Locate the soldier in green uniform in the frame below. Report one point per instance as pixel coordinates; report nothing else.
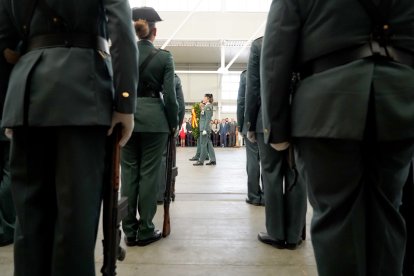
(7, 212)
(64, 94)
(285, 197)
(255, 194)
(198, 147)
(206, 146)
(351, 118)
(181, 113)
(156, 117)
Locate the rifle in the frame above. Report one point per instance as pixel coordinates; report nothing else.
(171, 173)
(113, 210)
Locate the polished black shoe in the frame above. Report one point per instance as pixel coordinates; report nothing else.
(5, 243)
(130, 241)
(211, 163)
(160, 202)
(293, 246)
(265, 238)
(198, 163)
(248, 201)
(156, 236)
(193, 158)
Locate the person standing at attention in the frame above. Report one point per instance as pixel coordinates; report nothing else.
(255, 194)
(7, 210)
(142, 155)
(66, 93)
(285, 191)
(351, 120)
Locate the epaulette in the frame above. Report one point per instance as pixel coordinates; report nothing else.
(260, 37)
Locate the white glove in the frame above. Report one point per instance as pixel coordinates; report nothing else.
(280, 146)
(127, 122)
(204, 132)
(251, 135)
(9, 133)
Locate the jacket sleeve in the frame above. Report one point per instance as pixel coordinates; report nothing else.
(276, 66)
(241, 100)
(170, 97)
(253, 86)
(180, 99)
(124, 54)
(9, 36)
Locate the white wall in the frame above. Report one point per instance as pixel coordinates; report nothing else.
(196, 85)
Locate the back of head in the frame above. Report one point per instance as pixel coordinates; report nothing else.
(144, 21)
(209, 97)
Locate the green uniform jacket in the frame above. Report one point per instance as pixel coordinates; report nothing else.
(253, 113)
(155, 114)
(333, 103)
(241, 96)
(80, 87)
(205, 118)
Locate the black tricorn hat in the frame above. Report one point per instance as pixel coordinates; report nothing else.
(208, 95)
(145, 13)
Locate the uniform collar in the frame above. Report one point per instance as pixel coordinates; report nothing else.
(145, 42)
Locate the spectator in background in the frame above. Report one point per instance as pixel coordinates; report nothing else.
(215, 127)
(223, 133)
(183, 132)
(189, 137)
(232, 132)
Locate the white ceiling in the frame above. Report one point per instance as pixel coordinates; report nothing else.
(204, 40)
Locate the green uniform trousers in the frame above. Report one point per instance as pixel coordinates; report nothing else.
(206, 147)
(140, 169)
(355, 189)
(198, 152)
(254, 191)
(285, 201)
(57, 176)
(7, 212)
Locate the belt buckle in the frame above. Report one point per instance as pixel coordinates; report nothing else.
(380, 51)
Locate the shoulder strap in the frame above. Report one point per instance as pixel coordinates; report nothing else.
(147, 61)
(381, 30)
(27, 17)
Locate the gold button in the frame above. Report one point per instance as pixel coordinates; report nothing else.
(386, 27)
(55, 19)
(248, 123)
(125, 94)
(266, 130)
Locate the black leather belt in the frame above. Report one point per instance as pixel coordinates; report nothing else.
(68, 40)
(148, 94)
(341, 57)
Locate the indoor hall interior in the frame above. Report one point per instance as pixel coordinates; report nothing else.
(213, 230)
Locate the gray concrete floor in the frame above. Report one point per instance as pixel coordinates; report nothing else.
(213, 230)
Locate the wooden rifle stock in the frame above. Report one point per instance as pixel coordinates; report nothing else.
(112, 234)
(171, 173)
